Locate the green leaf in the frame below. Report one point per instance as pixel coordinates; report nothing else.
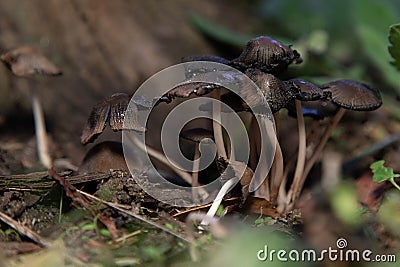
(382, 173)
(394, 47)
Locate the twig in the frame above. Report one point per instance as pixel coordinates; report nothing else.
(130, 213)
(24, 230)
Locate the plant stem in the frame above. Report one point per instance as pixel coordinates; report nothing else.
(394, 183)
(40, 129)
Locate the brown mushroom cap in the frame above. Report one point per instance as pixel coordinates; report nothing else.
(111, 110)
(306, 91)
(196, 134)
(276, 92)
(27, 61)
(353, 95)
(266, 54)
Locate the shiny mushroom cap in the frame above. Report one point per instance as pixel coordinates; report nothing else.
(307, 91)
(353, 95)
(26, 61)
(276, 92)
(111, 110)
(266, 54)
(196, 134)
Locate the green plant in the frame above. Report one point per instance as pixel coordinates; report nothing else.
(382, 173)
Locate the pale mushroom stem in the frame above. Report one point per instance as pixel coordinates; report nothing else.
(277, 165)
(195, 173)
(317, 152)
(217, 129)
(301, 156)
(40, 130)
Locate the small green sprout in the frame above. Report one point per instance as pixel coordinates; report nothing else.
(382, 173)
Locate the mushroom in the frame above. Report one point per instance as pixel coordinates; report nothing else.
(25, 61)
(266, 54)
(346, 94)
(112, 111)
(196, 135)
(306, 91)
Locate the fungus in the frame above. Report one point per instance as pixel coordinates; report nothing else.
(346, 94)
(112, 111)
(25, 61)
(266, 54)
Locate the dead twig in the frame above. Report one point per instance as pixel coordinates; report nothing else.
(24, 230)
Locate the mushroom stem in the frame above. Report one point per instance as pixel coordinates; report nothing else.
(317, 152)
(40, 130)
(277, 165)
(218, 199)
(195, 173)
(301, 156)
(217, 129)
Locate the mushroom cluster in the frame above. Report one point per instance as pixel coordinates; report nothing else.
(262, 60)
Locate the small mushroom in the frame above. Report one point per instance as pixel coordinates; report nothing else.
(346, 94)
(266, 54)
(26, 61)
(353, 95)
(111, 110)
(306, 91)
(196, 135)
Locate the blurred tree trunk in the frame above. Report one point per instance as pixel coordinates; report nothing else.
(102, 47)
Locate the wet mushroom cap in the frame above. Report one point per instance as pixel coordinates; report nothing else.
(353, 95)
(26, 61)
(196, 134)
(307, 91)
(112, 110)
(267, 54)
(275, 91)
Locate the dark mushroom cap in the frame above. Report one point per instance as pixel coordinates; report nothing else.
(276, 92)
(317, 109)
(196, 134)
(111, 110)
(306, 91)
(26, 61)
(266, 54)
(353, 95)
